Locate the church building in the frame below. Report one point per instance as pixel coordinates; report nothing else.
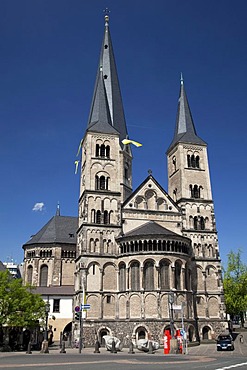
(140, 258)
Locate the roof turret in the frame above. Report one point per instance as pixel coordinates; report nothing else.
(185, 131)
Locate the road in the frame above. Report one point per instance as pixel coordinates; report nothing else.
(204, 356)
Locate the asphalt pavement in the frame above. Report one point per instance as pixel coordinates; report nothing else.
(204, 356)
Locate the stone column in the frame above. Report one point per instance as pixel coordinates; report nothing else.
(101, 278)
(128, 278)
(172, 277)
(183, 285)
(141, 278)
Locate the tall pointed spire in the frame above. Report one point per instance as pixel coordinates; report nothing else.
(107, 101)
(185, 131)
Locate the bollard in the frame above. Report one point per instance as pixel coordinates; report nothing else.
(60, 339)
(113, 348)
(29, 349)
(96, 347)
(44, 347)
(63, 347)
(150, 347)
(131, 348)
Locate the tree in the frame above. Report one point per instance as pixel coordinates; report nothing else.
(235, 286)
(19, 306)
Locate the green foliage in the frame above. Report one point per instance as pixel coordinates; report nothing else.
(235, 285)
(19, 306)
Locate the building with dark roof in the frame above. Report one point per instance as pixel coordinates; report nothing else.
(134, 254)
(49, 262)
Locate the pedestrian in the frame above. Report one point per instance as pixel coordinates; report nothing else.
(241, 339)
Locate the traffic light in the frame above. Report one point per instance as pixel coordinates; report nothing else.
(77, 316)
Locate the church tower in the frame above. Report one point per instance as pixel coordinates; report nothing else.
(189, 186)
(106, 174)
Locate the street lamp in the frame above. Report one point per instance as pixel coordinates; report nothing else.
(47, 310)
(171, 301)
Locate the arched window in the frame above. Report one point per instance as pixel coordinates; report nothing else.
(102, 150)
(98, 217)
(107, 151)
(195, 223)
(202, 223)
(196, 191)
(97, 151)
(164, 275)
(93, 216)
(92, 245)
(43, 275)
(188, 160)
(191, 222)
(148, 276)
(191, 191)
(96, 182)
(106, 218)
(135, 276)
(122, 277)
(193, 161)
(197, 161)
(187, 278)
(102, 183)
(177, 275)
(30, 274)
(174, 163)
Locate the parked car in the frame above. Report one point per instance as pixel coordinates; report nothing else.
(225, 342)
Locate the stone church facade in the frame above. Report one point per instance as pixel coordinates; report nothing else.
(129, 251)
(136, 248)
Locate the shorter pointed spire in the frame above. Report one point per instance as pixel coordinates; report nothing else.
(185, 129)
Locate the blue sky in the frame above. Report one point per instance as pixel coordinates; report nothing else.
(49, 51)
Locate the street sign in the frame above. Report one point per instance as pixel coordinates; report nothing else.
(77, 309)
(85, 306)
(177, 307)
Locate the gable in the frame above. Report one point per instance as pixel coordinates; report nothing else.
(150, 196)
(150, 202)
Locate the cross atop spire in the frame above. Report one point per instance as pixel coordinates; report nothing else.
(107, 12)
(181, 79)
(58, 209)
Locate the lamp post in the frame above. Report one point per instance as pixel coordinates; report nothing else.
(47, 310)
(173, 341)
(45, 341)
(171, 301)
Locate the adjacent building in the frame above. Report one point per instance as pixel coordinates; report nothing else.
(49, 262)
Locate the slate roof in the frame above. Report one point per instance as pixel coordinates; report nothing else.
(185, 131)
(148, 229)
(60, 229)
(101, 118)
(107, 92)
(66, 290)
